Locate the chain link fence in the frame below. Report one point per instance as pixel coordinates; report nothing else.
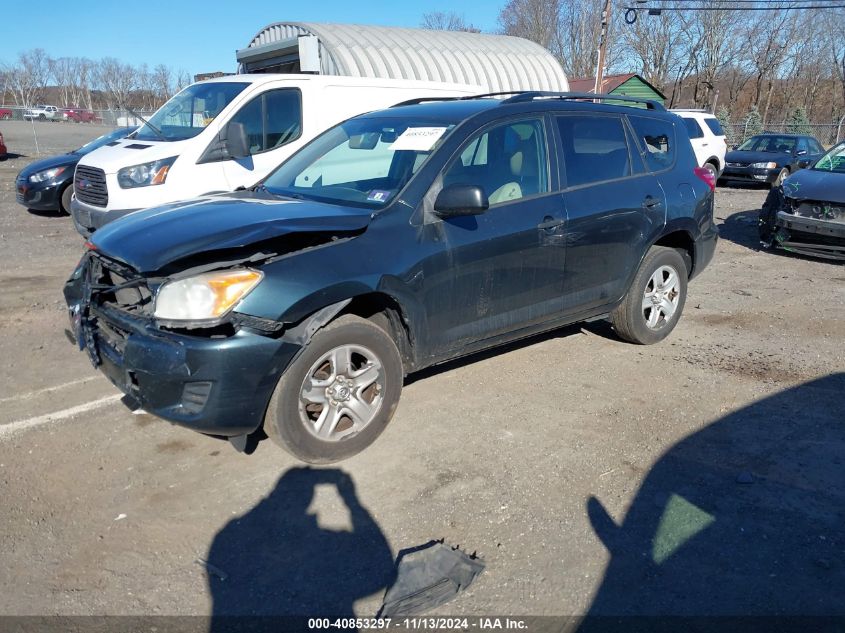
(828, 134)
(111, 118)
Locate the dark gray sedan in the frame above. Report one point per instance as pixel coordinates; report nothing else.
(770, 158)
(807, 214)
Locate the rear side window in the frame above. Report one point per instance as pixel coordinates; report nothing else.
(271, 120)
(594, 149)
(815, 148)
(657, 141)
(715, 126)
(693, 128)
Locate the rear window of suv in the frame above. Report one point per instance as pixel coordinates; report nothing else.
(657, 141)
(715, 126)
(693, 128)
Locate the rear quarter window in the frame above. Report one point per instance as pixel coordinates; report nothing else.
(715, 126)
(693, 128)
(656, 140)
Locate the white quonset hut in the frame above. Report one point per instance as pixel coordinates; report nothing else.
(497, 62)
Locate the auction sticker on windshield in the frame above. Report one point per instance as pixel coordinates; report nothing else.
(419, 139)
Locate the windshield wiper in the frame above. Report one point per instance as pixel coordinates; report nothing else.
(147, 123)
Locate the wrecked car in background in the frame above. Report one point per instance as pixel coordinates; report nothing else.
(394, 241)
(807, 214)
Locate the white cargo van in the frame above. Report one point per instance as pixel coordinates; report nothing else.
(225, 133)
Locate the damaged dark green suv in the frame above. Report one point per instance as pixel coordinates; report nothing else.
(394, 241)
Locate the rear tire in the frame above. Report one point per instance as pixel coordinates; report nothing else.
(713, 170)
(654, 302)
(349, 375)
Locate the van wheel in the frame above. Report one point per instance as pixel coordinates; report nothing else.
(655, 300)
(339, 394)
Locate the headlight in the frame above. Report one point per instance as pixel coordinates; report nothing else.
(763, 165)
(206, 297)
(154, 173)
(47, 174)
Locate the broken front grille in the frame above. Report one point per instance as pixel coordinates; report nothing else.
(89, 185)
(119, 286)
(821, 211)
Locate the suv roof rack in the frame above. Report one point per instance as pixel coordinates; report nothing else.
(539, 94)
(520, 96)
(701, 110)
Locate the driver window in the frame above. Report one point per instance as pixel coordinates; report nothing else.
(508, 162)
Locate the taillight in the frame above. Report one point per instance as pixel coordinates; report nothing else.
(707, 176)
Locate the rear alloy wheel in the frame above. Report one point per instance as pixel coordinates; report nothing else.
(713, 170)
(337, 397)
(655, 300)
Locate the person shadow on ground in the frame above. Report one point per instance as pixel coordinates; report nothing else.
(743, 518)
(279, 567)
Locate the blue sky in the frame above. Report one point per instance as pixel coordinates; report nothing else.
(197, 36)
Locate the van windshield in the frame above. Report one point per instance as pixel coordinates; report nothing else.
(362, 162)
(189, 112)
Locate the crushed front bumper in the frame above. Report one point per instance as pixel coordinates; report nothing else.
(810, 236)
(218, 386)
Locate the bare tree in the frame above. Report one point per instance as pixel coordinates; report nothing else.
(117, 80)
(28, 78)
(162, 83)
(447, 21)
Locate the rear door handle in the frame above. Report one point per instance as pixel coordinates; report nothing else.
(549, 223)
(651, 202)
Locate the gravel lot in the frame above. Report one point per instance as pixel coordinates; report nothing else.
(701, 475)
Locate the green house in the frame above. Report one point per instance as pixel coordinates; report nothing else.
(630, 84)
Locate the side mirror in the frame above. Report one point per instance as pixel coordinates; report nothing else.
(800, 152)
(235, 141)
(456, 200)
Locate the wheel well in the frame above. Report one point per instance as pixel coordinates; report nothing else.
(713, 161)
(386, 312)
(682, 242)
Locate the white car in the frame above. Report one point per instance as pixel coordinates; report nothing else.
(707, 138)
(221, 134)
(43, 113)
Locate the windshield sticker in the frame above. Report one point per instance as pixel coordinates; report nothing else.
(379, 195)
(419, 139)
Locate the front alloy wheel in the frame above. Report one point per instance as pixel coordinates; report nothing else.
(341, 393)
(338, 395)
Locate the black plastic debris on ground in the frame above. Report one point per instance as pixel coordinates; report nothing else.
(428, 576)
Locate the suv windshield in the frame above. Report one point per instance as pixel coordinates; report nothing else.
(363, 162)
(772, 144)
(189, 112)
(833, 161)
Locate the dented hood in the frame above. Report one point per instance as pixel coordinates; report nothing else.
(151, 239)
(816, 184)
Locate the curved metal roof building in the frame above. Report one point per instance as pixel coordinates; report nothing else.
(497, 62)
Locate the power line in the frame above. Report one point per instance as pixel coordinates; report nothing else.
(773, 5)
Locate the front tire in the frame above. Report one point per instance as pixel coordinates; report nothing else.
(655, 300)
(64, 200)
(339, 394)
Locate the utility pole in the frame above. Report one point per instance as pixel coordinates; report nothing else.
(605, 21)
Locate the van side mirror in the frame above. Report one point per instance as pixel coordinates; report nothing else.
(236, 143)
(457, 200)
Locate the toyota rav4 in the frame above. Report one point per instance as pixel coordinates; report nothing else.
(394, 241)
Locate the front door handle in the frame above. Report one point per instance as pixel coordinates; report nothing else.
(549, 224)
(651, 202)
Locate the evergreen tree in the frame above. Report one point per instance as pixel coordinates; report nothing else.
(724, 117)
(752, 124)
(798, 122)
